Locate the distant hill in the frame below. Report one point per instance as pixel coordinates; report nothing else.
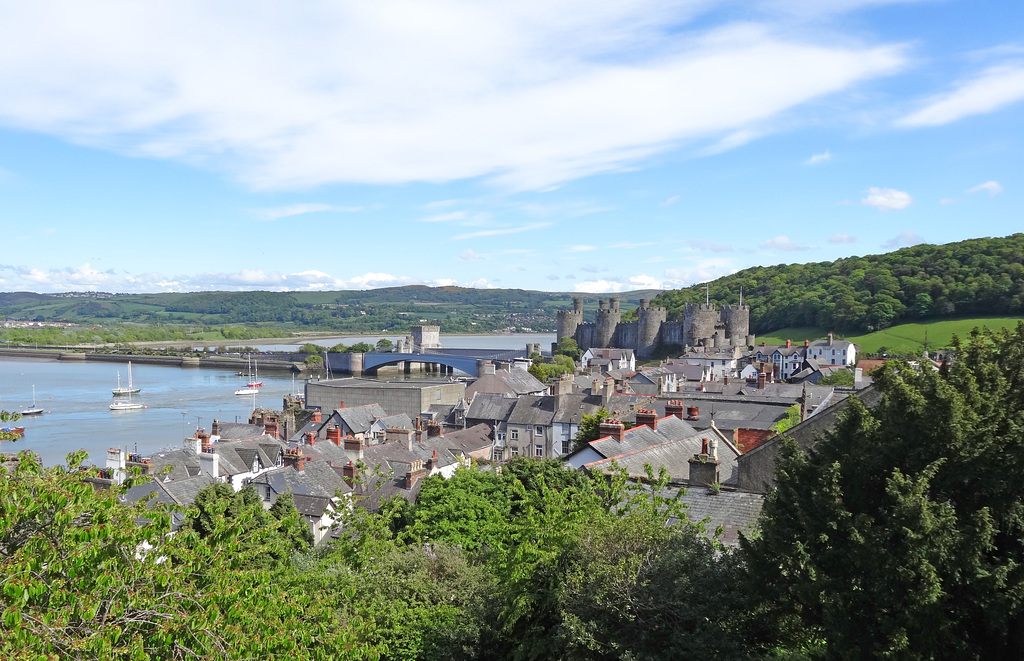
(390, 309)
(971, 278)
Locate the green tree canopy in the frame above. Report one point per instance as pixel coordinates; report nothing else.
(900, 534)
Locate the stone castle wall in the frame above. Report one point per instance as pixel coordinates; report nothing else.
(702, 325)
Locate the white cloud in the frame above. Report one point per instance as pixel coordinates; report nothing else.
(629, 245)
(581, 248)
(468, 254)
(444, 217)
(947, 200)
(524, 95)
(841, 237)
(502, 230)
(990, 187)
(904, 239)
(886, 199)
(705, 245)
(782, 242)
(989, 91)
(670, 201)
(819, 158)
(276, 213)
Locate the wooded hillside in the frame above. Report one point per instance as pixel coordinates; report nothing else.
(969, 278)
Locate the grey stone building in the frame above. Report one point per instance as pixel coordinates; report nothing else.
(702, 325)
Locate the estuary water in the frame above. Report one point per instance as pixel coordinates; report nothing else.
(76, 396)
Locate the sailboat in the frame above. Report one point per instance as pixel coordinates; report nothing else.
(251, 388)
(253, 383)
(130, 389)
(126, 404)
(34, 409)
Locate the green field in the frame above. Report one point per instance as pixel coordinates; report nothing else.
(902, 339)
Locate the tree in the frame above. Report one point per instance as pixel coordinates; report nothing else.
(568, 347)
(384, 345)
(314, 362)
(899, 534)
(590, 428)
(838, 378)
(360, 347)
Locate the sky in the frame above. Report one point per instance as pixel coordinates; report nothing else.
(559, 145)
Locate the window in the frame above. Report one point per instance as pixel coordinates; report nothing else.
(538, 431)
(514, 434)
(500, 437)
(528, 428)
(499, 454)
(515, 450)
(267, 497)
(566, 447)
(538, 450)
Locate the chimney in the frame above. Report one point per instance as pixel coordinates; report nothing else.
(403, 436)
(613, 428)
(488, 368)
(807, 343)
(762, 378)
(270, 426)
(353, 448)
(215, 428)
(789, 343)
(830, 339)
(193, 444)
(334, 434)
(205, 444)
(692, 412)
(341, 405)
(607, 391)
(293, 457)
(595, 387)
(416, 471)
(703, 467)
(674, 407)
(316, 416)
(647, 417)
(433, 429)
(348, 473)
(209, 462)
(311, 438)
(115, 464)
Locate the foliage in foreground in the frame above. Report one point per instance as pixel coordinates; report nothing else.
(901, 535)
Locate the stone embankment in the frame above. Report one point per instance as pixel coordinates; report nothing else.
(286, 362)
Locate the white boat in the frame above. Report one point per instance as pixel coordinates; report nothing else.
(251, 387)
(126, 405)
(130, 389)
(34, 409)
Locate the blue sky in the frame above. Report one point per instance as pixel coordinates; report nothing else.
(556, 145)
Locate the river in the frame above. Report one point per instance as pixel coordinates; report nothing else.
(76, 396)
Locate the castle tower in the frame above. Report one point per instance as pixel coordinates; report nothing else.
(699, 321)
(650, 321)
(737, 323)
(608, 318)
(567, 321)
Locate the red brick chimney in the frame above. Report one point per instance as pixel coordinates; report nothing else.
(674, 407)
(613, 428)
(316, 416)
(433, 429)
(348, 473)
(692, 412)
(311, 438)
(270, 426)
(293, 457)
(215, 427)
(341, 405)
(762, 379)
(789, 343)
(647, 417)
(807, 343)
(334, 434)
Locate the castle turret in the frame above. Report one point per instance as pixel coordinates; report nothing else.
(699, 322)
(608, 318)
(650, 322)
(569, 320)
(737, 323)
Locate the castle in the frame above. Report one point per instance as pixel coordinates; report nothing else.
(702, 325)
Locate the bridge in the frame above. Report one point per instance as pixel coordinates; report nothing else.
(446, 361)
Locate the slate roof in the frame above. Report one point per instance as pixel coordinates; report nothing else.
(533, 410)
(487, 406)
(360, 418)
(643, 446)
(516, 381)
(400, 420)
(735, 511)
(234, 431)
(312, 506)
(472, 439)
